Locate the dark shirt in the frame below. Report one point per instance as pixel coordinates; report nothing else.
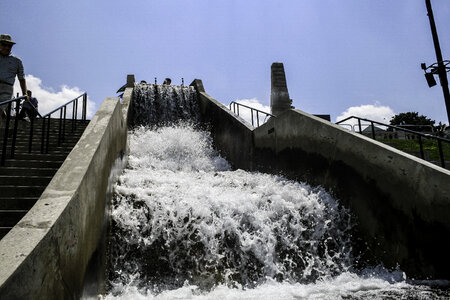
(33, 101)
(10, 66)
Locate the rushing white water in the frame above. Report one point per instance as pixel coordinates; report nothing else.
(186, 226)
(161, 104)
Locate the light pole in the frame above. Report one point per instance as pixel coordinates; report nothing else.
(440, 68)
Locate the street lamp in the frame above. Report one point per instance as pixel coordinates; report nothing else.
(439, 68)
(434, 70)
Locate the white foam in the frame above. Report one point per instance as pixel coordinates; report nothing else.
(228, 234)
(345, 286)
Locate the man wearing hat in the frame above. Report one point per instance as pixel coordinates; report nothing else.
(10, 66)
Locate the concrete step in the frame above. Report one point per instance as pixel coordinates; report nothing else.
(9, 218)
(17, 203)
(21, 190)
(32, 163)
(37, 138)
(24, 145)
(38, 130)
(37, 148)
(23, 171)
(38, 156)
(20, 179)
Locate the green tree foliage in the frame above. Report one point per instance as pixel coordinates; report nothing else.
(407, 119)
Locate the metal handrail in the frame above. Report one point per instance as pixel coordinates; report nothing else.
(45, 137)
(20, 98)
(6, 133)
(419, 134)
(236, 105)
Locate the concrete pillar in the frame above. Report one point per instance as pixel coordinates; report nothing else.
(130, 80)
(198, 84)
(279, 95)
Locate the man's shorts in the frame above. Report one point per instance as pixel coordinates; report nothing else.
(6, 93)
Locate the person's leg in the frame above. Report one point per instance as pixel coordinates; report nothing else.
(6, 93)
(22, 114)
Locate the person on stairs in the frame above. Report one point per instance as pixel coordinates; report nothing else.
(10, 66)
(28, 112)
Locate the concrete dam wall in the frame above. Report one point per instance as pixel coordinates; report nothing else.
(401, 203)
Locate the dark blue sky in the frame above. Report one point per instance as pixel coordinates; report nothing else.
(337, 53)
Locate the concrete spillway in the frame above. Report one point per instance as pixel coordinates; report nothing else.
(357, 198)
(187, 225)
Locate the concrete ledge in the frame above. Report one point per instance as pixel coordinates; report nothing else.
(46, 254)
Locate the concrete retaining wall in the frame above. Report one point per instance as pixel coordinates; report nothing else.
(401, 203)
(46, 254)
(232, 135)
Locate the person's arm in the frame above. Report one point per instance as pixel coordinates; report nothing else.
(21, 77)
(23, 86)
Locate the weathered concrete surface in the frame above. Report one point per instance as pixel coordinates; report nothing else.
(232, 135)
(279, 95)
(46, 254)
(402, 203)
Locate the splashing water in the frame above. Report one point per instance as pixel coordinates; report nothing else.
(186, 226)
(162, 104)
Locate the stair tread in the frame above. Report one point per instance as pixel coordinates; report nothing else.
(20, 197)
(22, 186)
(24, 176)
(24, 168)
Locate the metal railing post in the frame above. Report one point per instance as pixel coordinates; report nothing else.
(84, 106)
(16, 120)
(359, 126)
(441, 153)
(251, 112)
(73, 116)
(64, 124)
(60, 126)
(373, 130)
(5, 136)
(48, 133)
(76, 114)
(30, 141)
(421, 147)
(43, 135)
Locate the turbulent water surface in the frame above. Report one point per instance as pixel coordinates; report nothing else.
(187, 226)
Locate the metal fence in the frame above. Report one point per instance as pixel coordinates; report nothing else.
(420, 135)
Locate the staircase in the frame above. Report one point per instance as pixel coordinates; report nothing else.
(24, 178)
